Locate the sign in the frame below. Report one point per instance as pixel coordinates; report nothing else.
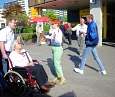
(92, 1)
(34, 12)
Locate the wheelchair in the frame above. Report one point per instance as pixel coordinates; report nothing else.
(20, 80)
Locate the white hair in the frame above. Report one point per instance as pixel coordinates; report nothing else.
(82, 19)
(13, 45)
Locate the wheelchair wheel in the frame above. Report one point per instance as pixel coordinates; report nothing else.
(15, 82)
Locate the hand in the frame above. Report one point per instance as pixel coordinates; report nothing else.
(5, 56)
(82, 32)
(71, 28)
(30, 64)
(54, 35)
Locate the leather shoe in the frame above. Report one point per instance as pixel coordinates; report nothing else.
(44, 90)
(51, 85)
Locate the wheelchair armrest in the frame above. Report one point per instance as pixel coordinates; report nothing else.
(18, 68)
(36, 61)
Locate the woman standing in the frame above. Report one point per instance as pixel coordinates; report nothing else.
(57, 50)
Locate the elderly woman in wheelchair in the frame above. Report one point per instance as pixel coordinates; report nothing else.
(20, 58)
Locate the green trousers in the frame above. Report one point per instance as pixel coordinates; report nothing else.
(56, 57)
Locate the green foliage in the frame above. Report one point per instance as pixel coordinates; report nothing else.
(50, 14)
(28, 36)
(46, 27)
(16, 31)
(65, 18)
(22, 19)
(29, 29)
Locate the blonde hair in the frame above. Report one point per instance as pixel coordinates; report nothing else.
(90, 16)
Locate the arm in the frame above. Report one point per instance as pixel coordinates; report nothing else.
(2, 40)
(3, 50)
(93, 33)
(36, 29)
(76, 27)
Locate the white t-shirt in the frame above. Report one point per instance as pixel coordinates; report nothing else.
(39, 29)
(80, 28)
(18, 59)
(7, 36)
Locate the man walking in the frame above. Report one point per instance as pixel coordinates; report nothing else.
(38, 31)
(91, 43)
(82, 27)
(6, 40)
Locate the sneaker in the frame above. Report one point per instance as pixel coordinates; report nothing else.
(79, 71)
(102, 72)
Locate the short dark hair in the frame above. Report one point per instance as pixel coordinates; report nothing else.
(10, 19)
(90, 16)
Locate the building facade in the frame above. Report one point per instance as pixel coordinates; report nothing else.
(103, 11)
(60, 12)
(2, 20)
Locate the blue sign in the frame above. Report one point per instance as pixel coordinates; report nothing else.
(92, 1)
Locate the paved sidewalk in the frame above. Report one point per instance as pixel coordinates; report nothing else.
(90, 84)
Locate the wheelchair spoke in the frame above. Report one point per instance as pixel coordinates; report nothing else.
(16, 83)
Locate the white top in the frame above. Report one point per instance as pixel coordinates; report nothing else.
(80, 28)
(18, 59)
(7, 36)
(38, 29)
(58, 39)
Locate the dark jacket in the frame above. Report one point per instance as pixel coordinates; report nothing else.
(69, 30)
(62, 28)
(92, 34)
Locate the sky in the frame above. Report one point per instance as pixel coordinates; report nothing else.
(2, 2)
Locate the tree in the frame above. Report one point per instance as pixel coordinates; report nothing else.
(50, 14)
(22, 19)
(12, 10)
(65, 18)
(16, 11)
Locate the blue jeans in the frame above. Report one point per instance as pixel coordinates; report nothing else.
(95, 56)
(5, 63)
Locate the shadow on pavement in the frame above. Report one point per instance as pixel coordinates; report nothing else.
(50, 65)
(76, 60)
(72, 49)
(35, 94)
